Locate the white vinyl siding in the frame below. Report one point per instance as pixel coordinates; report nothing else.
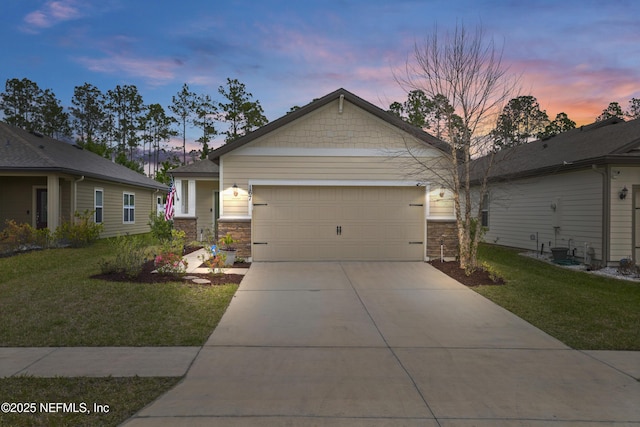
(522, 208)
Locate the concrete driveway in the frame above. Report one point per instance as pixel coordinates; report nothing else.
(385, 344)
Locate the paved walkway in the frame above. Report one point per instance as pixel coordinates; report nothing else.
(363, 344)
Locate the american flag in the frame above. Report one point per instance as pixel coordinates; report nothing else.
(168, 207)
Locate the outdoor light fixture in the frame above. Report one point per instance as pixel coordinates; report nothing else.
(441, 193)
(623, 193)
(235, 190)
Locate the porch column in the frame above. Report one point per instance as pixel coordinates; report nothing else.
(53, 202)
(192, 197)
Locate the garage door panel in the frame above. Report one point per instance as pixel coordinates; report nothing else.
(301, 223)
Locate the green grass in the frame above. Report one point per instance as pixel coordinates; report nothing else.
(123, 396)
(48, 299)
(584, 311)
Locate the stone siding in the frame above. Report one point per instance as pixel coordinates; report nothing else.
(442, 231)
(240, 230)
(189, 226)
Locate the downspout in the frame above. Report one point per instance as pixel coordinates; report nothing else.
(75, 195)
(606, 199)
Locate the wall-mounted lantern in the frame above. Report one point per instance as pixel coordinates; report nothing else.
(235, 190)
(623, 193)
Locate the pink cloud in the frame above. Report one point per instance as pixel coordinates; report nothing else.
(52, 13)
(581, 90)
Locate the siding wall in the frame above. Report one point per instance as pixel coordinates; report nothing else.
(324, 145)
(16, 198)
(523, 208)
(113, 206)
(622, 212)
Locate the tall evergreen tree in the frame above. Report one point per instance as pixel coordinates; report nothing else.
(520, 121)
(241, 113)
(183, 105)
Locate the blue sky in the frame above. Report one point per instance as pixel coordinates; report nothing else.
(574, 56)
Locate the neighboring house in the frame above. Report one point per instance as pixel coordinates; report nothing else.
(579, 190)
(197, 204)
(329, 181)
(43, 181)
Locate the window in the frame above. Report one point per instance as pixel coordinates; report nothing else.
(98, 205)
(184, 197)
(129, 208)
(485, 211)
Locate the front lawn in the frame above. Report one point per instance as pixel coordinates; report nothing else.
(584, 311)
(48, 299)
(89, 401)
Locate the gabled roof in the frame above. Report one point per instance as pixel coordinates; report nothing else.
(365, 105)
(610, 141)
(197, 168)
(22, 151)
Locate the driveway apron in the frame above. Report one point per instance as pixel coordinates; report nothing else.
(385, 344)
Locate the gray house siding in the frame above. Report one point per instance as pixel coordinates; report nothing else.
(559, 210)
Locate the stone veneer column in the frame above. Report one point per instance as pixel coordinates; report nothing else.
(189, 226)
(442, 231)
(240, 230)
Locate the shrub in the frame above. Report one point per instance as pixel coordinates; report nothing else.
(160, 228)
(131, 254)
(16, 235)
(80, 232)
(170, 261)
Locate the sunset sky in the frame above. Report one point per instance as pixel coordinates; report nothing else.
(574, 56)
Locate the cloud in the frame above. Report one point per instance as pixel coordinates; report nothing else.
(52, 13)
(155, 71)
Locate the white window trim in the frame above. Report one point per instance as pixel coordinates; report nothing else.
(129, 207)
(95, 204)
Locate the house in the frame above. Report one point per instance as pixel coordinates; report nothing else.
(329, 181)
(197, 204)
(43, 182)
(579, 190)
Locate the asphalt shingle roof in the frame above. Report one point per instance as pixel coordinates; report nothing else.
(22, 151)
(200, 167)
(612, 140)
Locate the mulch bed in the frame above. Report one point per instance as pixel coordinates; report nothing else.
(479, 277)
(146, 276)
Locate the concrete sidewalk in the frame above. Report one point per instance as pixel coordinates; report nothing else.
(388, 344)
(96, 361)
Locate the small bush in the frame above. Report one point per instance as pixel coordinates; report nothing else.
(160, 228)
(23, 236)
(170, 261)
(80, 232)
(131, 254)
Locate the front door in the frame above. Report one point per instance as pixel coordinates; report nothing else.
(41, 208)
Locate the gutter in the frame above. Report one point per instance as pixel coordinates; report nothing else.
(606, 198)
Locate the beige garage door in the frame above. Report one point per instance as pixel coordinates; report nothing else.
(337, 223)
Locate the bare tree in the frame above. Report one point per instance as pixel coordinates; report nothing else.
(466, 69)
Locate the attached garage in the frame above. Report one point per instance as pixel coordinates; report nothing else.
(315, 223)
(333, 180)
